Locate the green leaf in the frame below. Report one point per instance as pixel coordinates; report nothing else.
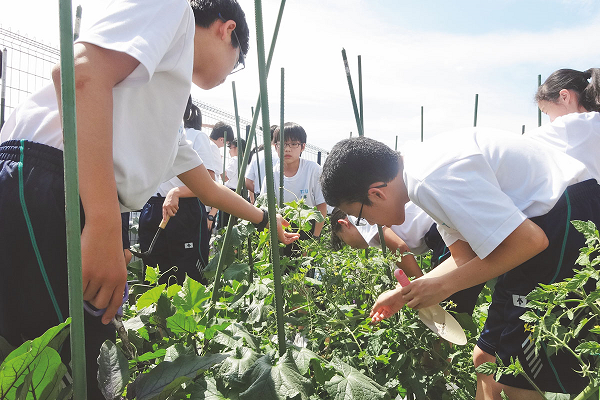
(589, 348)
(33, 355)
(173, 290)
(150, 297)
(170, 374)
(151, 355)
(205, 388)
(113, 370)
(191, 296)
(55, 386)
(180, 323)
(302, 357)
(280, 381)
(237, 272)
(353, 384)
(152, 275)
(232, 336)
(488, 368)
(234, 367)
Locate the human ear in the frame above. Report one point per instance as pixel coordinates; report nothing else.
(564, 95)
(227, 28)
(343, 222)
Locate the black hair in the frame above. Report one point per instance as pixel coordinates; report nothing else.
(221, 129)
(336, 242)
(291, 131)
(353, 166)
(588, 93)
(242, 148)
(207, 11)
(192, 117)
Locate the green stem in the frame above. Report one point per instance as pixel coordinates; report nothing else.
(264, 98)
(588, 392)
(281, 140)
(228, 238)
(537, 389)
(72, 215)
(352, 95)
(476, 104)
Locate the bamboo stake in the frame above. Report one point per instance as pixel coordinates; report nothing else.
(262, 73)
(3, 89)
(72, 215)
(396, 147)
(360, 93)
(352, 95)
(227, 239)
(421, 124)
(476, 103)
(77, 23)
(523, 130)
(281, 141)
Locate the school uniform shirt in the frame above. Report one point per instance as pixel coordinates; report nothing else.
(232, 173)
(217, 158)
(412, 231)
(479, 185)
(147, 105)
(303, 185)
(252, 171)
(576, 134)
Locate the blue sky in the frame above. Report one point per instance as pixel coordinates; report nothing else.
(435, 54)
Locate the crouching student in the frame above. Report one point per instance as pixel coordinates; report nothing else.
(133, 72)
(416, 236)
(503, 205)
(300, 177)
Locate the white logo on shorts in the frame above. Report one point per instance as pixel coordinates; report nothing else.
(519, 301)
(189, 245)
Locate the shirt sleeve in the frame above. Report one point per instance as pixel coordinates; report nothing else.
(143, 29)
(317, 191)
(232, 167)
(466, 201)
(186, 158)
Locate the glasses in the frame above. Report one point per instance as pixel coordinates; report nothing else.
(241, 62)
(364, 222)
(291, 145)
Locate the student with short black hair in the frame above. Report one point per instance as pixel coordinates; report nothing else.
(255, 173)
(133, 72)
(503, 205)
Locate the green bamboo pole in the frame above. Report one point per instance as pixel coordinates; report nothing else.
(360, 93)
(421, 123)
(262, 73)
(281, 140)
(351, 134)
(539, 111)
(523, 130)
(227, 239)
(77, 23)
(257, 157)
(352, 95)
(396, 147)
(73, 226)
(476, 104)
(237, 125)
(3, 88)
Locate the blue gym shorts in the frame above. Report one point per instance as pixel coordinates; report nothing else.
(26, 309)
(504, 334)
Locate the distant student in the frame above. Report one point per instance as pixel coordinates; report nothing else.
(503, 205)
(221, 135)
(300, 176)
(572, 101)
(231, 172)
(256, 170)
(417, 235)
(133, 72)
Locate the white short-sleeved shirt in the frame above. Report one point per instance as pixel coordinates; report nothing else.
(304, 185)
(232, 173)
(147, 105)
(412, 231)
(217, 158)
(252, 171)
(479, 185)
(576, 134)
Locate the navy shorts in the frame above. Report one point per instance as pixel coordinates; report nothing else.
(504, 332)
(26, 309)
(184, 242)
(465, 299)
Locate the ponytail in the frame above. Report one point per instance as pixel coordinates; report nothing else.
(590, 97)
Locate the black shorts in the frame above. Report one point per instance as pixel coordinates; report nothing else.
(465, 299)
(184, 243)
(504, 332)
(26, 309)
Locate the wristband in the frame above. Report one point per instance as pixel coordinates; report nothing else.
(262, 224)
(211, 217)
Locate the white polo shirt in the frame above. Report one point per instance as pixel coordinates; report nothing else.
(147, 105)
(303, 185)
(479, 184)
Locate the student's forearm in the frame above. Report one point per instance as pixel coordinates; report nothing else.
(250, 185)
(212, 194)
(319, 225)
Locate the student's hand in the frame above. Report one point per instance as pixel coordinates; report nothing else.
(171, 204)
(103, 268)
(387, 304)
(425, 292)
(284, 236)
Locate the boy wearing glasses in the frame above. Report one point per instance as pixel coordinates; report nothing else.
(133, 72)
(300, 176)
(503, 205)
